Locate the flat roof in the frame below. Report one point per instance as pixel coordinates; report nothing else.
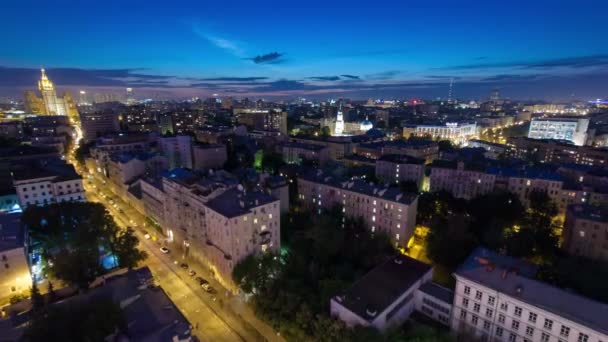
(444, 294)
(382, 286)
(514, 277)
(389, 193)
(11, 232)
(234, 202)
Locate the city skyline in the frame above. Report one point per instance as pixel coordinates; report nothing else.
(381, 50)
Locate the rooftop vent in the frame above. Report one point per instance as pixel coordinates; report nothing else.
(398, 197)
(398, 261)
(371, 312)
(519, 289)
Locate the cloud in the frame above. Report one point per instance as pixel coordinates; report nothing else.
(385, 75)
(578, 62)
(28, 77)
(512, 78)
(269, 58)
(325, 78)
(231, 46)
(352, 77)
(235, 79)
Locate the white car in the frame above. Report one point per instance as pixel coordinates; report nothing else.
(164, 250)
(147, 236)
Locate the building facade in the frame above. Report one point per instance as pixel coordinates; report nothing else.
(586, 231)
(569, 129)
(384, 209)
(458, 133)
(393, 168)
(497, 299)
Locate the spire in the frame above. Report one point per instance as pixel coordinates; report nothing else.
(43, 74)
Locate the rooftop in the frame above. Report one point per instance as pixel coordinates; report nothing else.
(59, 169)
(304, 146)
(357, 185)
(444, 294)
(401, 159)
(514, 278)
(234, 202)
(377, 290)
(588, 212)
(11, 232)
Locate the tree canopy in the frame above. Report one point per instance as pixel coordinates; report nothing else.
(72, 238)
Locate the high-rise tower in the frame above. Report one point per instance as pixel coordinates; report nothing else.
(52, 104)
(339, 130)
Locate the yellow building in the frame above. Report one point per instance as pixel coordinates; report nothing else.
(50, 104)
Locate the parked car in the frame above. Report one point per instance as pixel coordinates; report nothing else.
(146, 236)
(191, 273)
(183, 265)
(164, 250)
(207, 287)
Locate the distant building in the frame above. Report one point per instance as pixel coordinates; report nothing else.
(95, 125)
(462, 180)
(386, 296)
(569, 129)
(458, 133)
(50, 103)
(15, 277)
(492, 150)
(556, 151)
(586, 231)
(498, 299)
(177, 149)
(45, 182)
(209, 156)
(297, 153)
(394, 168)
(423, 149)
(384, 209)
(263, 119)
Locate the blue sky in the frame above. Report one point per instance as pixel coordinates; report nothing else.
(528, 49)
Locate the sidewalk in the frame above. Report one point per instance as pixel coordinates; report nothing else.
(233, 309)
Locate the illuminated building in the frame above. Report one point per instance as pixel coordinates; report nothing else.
(15, 277)
(177, 150)
(569, 129)
(82, 100)
(366, 125)
(33, 103)
(458, 133)
(394, 168)
(130, 97)
(339, 129)
(52, 104)
(263, 119)
(95, 124)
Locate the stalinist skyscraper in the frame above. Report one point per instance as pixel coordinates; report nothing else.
(339, 129)
(52, 104)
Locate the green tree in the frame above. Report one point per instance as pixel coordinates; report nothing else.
(70, 236)
(125, 248)
(36, 298)
(83, 151)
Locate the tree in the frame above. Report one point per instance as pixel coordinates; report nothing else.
(125, 249)
(36, 298)
(51, 292)
(70, 236)
(83, 151)
(408, 186)
(325, 131)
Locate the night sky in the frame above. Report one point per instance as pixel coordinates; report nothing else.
(531, 49)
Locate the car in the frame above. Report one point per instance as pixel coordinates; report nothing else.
(191, 273)
(146, 236)
(207, 287)
(165, 250)
(183, 265)
(199, 280)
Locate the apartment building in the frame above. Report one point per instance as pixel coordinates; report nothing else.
(458, 133)
(96, 124)
(556, 151)
(497, 299)
(15, 277)
(177, 149)
(462, 180)
(383, 208)
(394, 168)
(417, 148)
(263, 119)
(297, 153)
(586, 231)
(45, 182)
(339, 147)
(492, 150)
(213, 219)
(209, 156)
(573, 130)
